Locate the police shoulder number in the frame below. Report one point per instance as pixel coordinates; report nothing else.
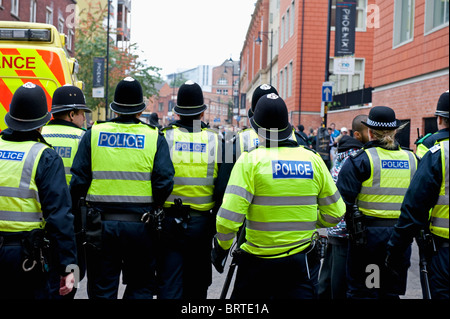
(435, 148)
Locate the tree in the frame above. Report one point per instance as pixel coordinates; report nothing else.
(91, 42)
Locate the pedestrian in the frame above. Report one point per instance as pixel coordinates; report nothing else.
(154, 120)
(427, 192)
(196, 152)
(425, 143)
(332, 283)
(64, 133)
(35, 206)
(284, 192)
(372, 183)
(123, 171)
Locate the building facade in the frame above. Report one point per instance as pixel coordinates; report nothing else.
(60, 13)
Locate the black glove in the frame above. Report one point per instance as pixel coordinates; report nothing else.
(218, 256)
(394, 261)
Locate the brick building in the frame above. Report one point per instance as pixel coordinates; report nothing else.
(60, 13)
(410, 64)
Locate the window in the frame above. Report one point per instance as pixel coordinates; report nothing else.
(15, 7)
(222, 81)
(219, 91)
(49, 15)
(61, 24)
(286, 29)
(361, 12)
(70, 35)
(285, 81)
(33, 11)
(291, 29)
(436, 15)
(160, 106)
(344, 82)
(282, 32)
(290, 79)
(403, 21)
(281, 84)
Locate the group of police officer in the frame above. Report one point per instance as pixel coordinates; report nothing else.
(161, 206)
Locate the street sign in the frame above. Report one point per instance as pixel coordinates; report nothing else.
(327, 92)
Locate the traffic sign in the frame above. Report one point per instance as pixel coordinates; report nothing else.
(327, 92)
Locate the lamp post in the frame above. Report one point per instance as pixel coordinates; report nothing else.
(107, 61)
(259, 41)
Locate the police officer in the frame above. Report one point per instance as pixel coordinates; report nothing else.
(35, 202)
(425, 143)
(428, 191)
(65, 131)
(375, 179)
(196, 152)
(123, 170)
(284, 192)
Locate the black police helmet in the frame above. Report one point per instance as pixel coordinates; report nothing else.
(68, 97)
(442, 105)
(270, 119)
(382, 118)
(190, 99)
(260, 91)
(128, 97)
(28, 109)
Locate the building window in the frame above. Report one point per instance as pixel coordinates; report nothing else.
(222, 81)
(290, 79)
(403, 21)
(281, 84)
(218, 91)
(347, 83)
(286, 29)
(282, 32)
(285, 77)
(49, 15)
(33, 11)
(61, 24)
(160, 106)
(291, 29)
(436, 15)
(361, 15)
(15, 8)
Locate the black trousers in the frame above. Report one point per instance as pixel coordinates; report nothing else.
(292, 277)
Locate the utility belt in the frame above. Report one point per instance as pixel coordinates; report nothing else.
(35, 248)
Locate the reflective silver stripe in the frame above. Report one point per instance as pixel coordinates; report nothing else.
(212, 154)
(169, 139)
(191, 200)
(329, 199)
(330, 219)
(239, 191)
(383, 191)
(284, 200)
(444, 199)
(18, 192)
(119, 199)
(280, 226)
(376, 167)
(21, 216)
(280, 246)
(67, 170)
(379, 206)
(27, 171)
(412, 162)
(230, 215)
(225, 237)
(440, 222)
(194, 181)
(130, 176)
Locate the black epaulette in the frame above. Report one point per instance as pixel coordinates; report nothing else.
(406, 148)
(309, 149)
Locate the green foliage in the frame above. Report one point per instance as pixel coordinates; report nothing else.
(91, 42)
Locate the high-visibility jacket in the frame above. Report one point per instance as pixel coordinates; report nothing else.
(439, 215)
(284, 193)
(195, 157)
(65, 140)
(20, 208)
(391, 172)
(429, 140)
(122, 163)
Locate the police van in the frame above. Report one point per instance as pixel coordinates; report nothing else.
(33, 52)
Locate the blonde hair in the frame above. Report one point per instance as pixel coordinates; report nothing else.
(387, 137)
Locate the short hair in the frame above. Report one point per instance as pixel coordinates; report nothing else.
(357, 126)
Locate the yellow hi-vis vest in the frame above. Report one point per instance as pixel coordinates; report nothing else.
(65, 140)
(439, 215)
(195, 159)
(122, 163)
(391, 173)
(20, 208)
(284, 194)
